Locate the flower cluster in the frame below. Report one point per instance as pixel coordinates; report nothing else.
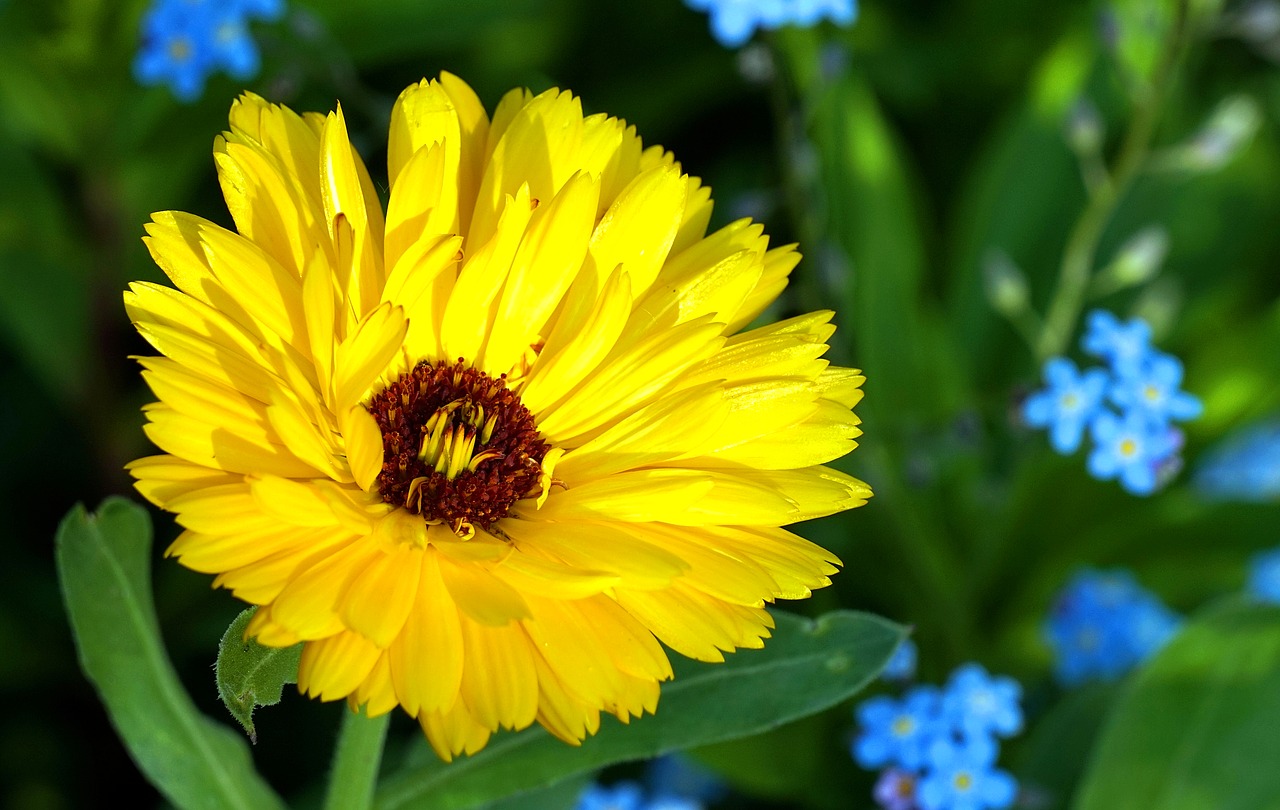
(1103, 624)
(186, 41)
(1134, 440)
(734, 21)
(1244, 467)
(939, 746)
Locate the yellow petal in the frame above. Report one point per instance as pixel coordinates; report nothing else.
(549, 256)
(331, 668)
(426, 658)
(380, 596)
(499, 683)
(639, 228)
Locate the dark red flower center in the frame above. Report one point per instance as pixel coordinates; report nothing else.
(458, 446)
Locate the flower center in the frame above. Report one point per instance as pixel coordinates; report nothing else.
(903, 725)
(963, 781)
(458, 446)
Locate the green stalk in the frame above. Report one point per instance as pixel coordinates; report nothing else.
(1082, 245)
(356, 760)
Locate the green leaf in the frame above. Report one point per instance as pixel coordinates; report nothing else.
(250, 675)
(873, 212)
(1196, 728)
(105, 570)
(1052, 757)
(806, 667)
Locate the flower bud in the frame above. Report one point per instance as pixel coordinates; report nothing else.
(1004, 284)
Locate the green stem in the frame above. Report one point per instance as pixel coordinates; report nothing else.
(1082, 245)
(354, 775)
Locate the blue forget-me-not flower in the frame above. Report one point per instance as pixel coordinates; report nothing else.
(675, 776)
(895, 789)
(1132, 449)
(1102, 624)
(980, 705)
(963, 776)
(1244, 467)
(898, 732)
(186, 41)
(1123, 346)
(734, 21)
(1153, 391)
(902, 664)
(620, 796)
(1264, 576)
(1071, 401)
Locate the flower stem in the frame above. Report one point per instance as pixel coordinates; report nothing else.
(356, 760)
(1082, 245)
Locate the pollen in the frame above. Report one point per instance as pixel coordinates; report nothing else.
(458, 446)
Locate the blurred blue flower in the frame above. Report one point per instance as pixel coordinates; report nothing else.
(1152, 391)
(963, 776)
(1122, 345)
(978, 704)
(621, 796)
(895, 790)
(1102, 624)
(1243, 467)
(1132, 449)
(186, 41)
(734, 21)
(675, 775)
(673, 803)
(1264, 576)
(902, 664)
(898, 732)
(1068, 404)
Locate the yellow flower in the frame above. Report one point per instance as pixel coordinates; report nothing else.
(483, 451)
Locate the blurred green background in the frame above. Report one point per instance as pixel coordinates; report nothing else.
(900, 151)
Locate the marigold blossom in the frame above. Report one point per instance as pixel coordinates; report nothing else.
(484, 447)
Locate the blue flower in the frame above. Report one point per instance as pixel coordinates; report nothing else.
(1264, 576)
(1132, 449)
(1102, 624)
(978, 704)
(898, 732)
(1122, 345)
(964, 777)
(621, 796)
(902, 664)
(1152, 391)
(1244, 467)
(675, 775)
(186, 41)
(895, 790)
(1068, 404)
(734, 21)
(673, 803)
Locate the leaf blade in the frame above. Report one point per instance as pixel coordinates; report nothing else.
(1195, 729)
(822, 662)
(103, 565)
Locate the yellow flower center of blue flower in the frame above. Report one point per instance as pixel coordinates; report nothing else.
(963, 781)
(179, 49)
(903, 725)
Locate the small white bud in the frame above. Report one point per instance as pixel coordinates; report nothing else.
(1004, 284)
